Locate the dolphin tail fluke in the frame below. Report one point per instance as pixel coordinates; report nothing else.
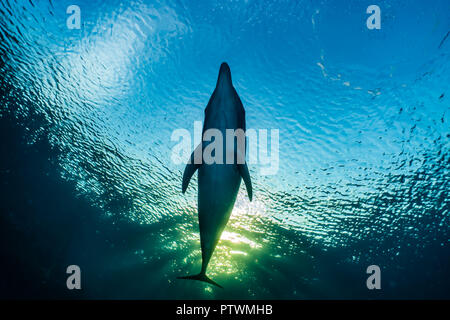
(201, 277)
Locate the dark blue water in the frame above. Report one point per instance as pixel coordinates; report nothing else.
(86, 176)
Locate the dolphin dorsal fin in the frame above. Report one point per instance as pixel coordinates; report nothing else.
(190, 169)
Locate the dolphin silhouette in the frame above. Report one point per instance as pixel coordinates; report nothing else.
(218, 183)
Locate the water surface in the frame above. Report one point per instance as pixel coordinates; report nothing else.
(87, 178)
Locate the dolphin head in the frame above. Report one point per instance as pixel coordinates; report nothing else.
(224, 75)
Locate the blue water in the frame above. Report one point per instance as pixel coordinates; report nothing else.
(86, 173)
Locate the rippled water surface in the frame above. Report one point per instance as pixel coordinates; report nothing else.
(363, 117)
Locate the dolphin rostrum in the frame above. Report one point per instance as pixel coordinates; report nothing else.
(218, 181)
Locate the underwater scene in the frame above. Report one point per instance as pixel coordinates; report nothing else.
(348, 103)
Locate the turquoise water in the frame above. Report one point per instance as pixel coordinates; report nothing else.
(87, 177)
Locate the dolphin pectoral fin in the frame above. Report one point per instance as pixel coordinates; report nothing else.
(243, 171)
(190, 169)
(188, 173)
(201, 277)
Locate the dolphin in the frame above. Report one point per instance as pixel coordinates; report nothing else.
(218, 183)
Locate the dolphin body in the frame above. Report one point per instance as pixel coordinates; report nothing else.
(218, 184)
